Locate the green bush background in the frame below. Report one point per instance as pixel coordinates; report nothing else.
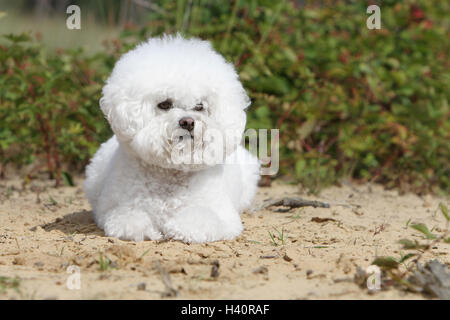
(349, 101)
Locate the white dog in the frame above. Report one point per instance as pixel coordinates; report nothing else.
(163, 97)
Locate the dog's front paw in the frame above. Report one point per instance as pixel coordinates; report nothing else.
(127, 228)
(199, 224)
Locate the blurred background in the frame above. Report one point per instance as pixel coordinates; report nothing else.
(350, 103)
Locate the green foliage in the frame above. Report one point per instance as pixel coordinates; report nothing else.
(386, 262)
(410, 277)
(409, 244)
(424, 229)
(444, 211)
(105, 263)
(277, 238)
(7, 282)
(49, 105)
(349, 101)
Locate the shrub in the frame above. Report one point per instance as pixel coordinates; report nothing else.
(349, 102)
(48, 105)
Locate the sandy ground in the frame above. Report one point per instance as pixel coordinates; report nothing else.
(44, 230)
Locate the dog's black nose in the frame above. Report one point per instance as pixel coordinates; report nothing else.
(187, 123)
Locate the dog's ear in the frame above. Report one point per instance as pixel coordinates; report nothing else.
(232, 97)
(233, 100)
(123, 114)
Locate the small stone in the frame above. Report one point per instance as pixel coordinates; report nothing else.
(19, 261)
(141, 286)
(261, 270)
(215, 269)
(427, 201)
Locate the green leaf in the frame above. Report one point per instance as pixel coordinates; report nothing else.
(386, 262)
(16, 38)
(423, 228)
(444, 211)
(273, 84)
(406, 257)
(409, 244)
(67, 178)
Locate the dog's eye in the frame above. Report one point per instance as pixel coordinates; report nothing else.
(167, 104)
(198, 107)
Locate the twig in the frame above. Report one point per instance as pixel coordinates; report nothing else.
(170, 290)
(46, 143)
(296, 202)
(18, 246)
(55, 153)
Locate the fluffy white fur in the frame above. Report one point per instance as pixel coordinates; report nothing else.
(135, 188)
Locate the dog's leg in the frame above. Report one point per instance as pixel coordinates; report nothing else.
(98, 170)
(200, 224)
(127, 224)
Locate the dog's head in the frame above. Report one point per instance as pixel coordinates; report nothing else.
(172, 99)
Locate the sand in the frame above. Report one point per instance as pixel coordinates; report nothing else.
(44, 231)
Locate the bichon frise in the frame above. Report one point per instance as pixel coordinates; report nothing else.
(166, 96)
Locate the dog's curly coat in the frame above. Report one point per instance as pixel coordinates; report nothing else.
(135, 187)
